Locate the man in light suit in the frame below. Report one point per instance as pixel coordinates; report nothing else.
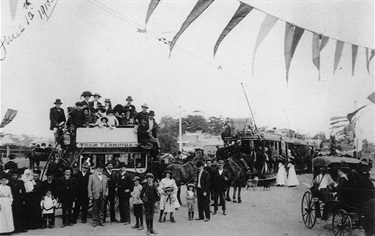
(98, 191)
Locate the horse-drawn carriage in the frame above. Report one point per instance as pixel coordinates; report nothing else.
(347, 212)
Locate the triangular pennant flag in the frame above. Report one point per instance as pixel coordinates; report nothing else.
(318, 43)
(338, 52)
(151, 8)
(371, 97)
(241, 12)
(268, 22)
(323, 42)
(354, 56)
(8, 117)
(194, 14)
(292, 36)
(13, 7)
(369, 59)
(351, 115)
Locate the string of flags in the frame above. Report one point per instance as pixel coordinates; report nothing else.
(293, 34)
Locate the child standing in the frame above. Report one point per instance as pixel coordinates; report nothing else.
(190, 198)
(169, 204)
(137, 204)
(149, 196)
(48, 205)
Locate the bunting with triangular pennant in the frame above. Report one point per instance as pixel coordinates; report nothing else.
(13, 7)
(318, 43)
(338, 52)
(292, 36)
(369, 59)
(151, 8)
(354, 56)
(241, 13)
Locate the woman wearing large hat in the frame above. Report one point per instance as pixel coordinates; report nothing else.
(167, 181)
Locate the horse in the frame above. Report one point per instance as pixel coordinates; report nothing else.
(238, 170)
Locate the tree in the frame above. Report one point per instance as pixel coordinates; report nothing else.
(195, 123)
(215, 125)
(168, 134)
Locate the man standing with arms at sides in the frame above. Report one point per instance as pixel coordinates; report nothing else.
(97, 191)
(211, 171)
(68, 190)
(111, 177)
(57, 116)
(18, 192)
(220, 182)
(82, 201)
(125, 186)
(203, 188)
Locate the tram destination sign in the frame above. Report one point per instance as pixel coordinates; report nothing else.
(106, 145)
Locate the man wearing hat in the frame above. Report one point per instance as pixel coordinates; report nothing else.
(98, 191)
(203, 188)
(94, 104)
(153, 126)
(67, 193)
(112, 181)
(87, 108)
(82, 201)
(57, 118)
(18, 192)
(77, 117)
(142, 114)
(125, 186)
(149, 195)
(220, 183)
(129, 106)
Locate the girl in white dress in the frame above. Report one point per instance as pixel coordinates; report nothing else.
(6, 199)
(167, 181)
(292, 180)
(281, 175)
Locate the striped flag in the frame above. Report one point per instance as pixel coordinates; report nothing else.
(9, 116)
(338, 123)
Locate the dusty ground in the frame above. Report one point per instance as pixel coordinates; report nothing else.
(275, 212)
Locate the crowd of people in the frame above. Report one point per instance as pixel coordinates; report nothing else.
(91, 113)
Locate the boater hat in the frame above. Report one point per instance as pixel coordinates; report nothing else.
(144, 105)
(129, 98)
(97, 95)
(149, 175)
(167, 171)
(191, 185)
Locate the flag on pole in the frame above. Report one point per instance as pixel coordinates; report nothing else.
(292, 36)
(338, 52)
(371, 97)
(9, 116)
(268, 22)
(241, 13)
(351, 115)
(369, 59)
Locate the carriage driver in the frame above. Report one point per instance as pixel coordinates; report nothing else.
(322, 181)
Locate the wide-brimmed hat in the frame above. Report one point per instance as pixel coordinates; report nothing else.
(97, 95)
(191, 185)
(169, 188)
(167, 171)
(118, 108)
(103, 118)
(151, 113)
(107, 100)
(58, 101)
(86, 93)
(149, 175)
(144, 105)
(129, 98)
(136, 178)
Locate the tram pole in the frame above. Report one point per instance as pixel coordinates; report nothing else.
(248, 103)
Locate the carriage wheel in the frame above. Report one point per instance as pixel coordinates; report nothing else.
(342, 223)
(308, 210)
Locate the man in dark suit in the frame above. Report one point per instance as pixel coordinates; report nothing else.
(203, 188)
(56, 116)
(68, 190)
(11, 165)
(18, 192)
(51, 184)
(129, 106)
(112, 181)
(142, 114)
(220, 180)
(82, 201)
(211, 171)
(87, 108)
(125, 186)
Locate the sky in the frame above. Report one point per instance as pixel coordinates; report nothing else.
(73, 46)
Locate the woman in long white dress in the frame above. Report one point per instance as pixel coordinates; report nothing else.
(281, 175)
(167, 181)
(6, 215)
(292, 180)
